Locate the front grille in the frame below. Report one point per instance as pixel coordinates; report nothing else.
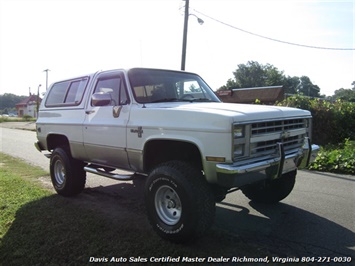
(276, 126)
(269, 147)
(270, 133)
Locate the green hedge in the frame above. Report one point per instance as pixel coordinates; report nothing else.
(333, 122)
(336, 160)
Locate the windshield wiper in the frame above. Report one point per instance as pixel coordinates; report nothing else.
(181, 100)
(197, 100)
(165, 100)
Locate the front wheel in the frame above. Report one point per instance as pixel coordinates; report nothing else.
(271, 191)
(179, 202)
(67, 174)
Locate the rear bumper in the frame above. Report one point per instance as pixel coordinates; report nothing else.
(237, 174)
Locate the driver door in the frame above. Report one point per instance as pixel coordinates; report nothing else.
(104, 128)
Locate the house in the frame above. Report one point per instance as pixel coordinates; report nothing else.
(265, 95)
(28, 106)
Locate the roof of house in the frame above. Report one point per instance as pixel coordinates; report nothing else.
(28, 100)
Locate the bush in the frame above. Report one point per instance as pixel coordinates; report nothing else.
(3, 119)
(336, 160)
(27, 117)
(332, 121)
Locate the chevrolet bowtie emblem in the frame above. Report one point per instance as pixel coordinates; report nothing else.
(285, 134)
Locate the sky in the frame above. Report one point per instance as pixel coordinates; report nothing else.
(78, 37)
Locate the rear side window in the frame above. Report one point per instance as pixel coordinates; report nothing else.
(69, 92)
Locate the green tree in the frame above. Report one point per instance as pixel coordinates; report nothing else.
(301, 85)
(345, 95)
(273, 76)
(292, 84)
(254, 74)
(307, 88)
(9, 100)
(231, 84)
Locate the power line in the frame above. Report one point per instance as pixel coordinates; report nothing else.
(272, 39)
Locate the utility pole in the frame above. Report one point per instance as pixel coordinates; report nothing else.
(38, 98)
(46, 70)
(184, 38)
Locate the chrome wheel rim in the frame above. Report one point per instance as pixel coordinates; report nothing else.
(168, 205)
(59, 172)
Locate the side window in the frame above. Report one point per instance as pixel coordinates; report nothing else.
(57, 93)
(75, 92)
(68, 92)
(113, 86)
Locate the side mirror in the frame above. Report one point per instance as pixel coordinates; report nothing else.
(101, 99)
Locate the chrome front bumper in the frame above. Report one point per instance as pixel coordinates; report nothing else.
(237, 175)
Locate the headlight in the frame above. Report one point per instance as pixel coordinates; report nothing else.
(239, 135)
(238, 131)
(238, 150)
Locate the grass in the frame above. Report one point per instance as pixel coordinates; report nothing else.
(15, 192)
(39, 227)
(16, 119)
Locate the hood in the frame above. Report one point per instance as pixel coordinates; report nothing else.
(205, 117)
(236, 112)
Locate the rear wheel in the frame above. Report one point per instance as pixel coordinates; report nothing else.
(67, 174)
(179, 202)
(271, 191)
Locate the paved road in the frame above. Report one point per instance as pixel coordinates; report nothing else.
(317, 219)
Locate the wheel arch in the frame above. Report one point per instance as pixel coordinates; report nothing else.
(57, 140)
(157, 151)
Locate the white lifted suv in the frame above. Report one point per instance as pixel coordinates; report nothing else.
(171, 127)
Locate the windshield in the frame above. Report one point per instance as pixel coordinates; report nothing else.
(152, 85)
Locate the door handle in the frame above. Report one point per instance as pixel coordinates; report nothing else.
(89, 112)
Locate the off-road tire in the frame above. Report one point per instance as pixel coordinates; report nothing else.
(67, 174)
(271, 191)
(179, 202)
